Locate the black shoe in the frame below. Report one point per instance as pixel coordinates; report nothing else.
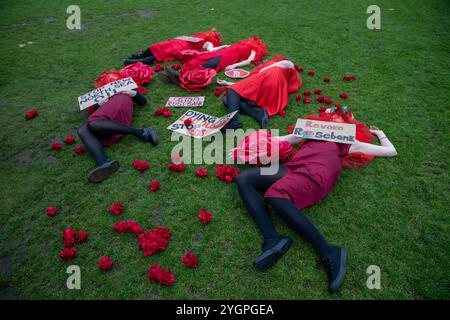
(335, 265)
(104, 171)
(172, 74)
(273, 251)
(135, 55)
(128, 62)
(150, 134)
(264, 121)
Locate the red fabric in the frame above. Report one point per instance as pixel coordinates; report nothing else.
(139, 72)
(269, 89)
(195, 78)
(312, 173)
(118, 108)
(167, 50)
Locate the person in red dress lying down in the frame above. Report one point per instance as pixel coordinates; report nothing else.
(304, 180)
(168, 50)
(268, 87)
(200, 67)
(107, 125)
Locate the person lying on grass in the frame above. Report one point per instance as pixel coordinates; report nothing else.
(168, 50)
(268, 87)
(302, 181)
(107, 125)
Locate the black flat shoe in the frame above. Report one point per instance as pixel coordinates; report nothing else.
(135, 55)
(104, 171)
(335, 265)
(150, 134)
(264, 122)
(272, 253)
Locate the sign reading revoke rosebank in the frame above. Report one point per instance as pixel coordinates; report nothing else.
(324, 130)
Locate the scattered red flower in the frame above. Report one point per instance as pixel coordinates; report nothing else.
(69, 140)
(328, 101)
(349, 78)
(337, 105)
(105, 263)
(322, 109)
(117, 208)
(154, 241)
(157, 274)
(318, 91)
(327, 80)
(69, 237)
(219, 91)
(129, 226)
(154, 185)
(226, 173)
(187, 122)
(174, 167)
(298, 97)
(201, 172)
(56, 146)
(82, 236)
(160, 111)
(158, 67)
(167, 114)
(79, 150)
(31, 114)
(68, 253)
(190, 260)
(51, 211)
(300, 70)
(311, 72)
(343, 95)
(307, 93)
(320, 98)
(306, 100)
(205, 216)
(141, 165)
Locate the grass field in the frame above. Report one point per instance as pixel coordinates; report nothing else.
(393, 214)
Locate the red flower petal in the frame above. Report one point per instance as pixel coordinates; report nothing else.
(328, 101)
(298, 97)
(187, 122)
(79, 150)
(117, 208)
(190, 260)
(307, 93)
(51, 211)
(69, 140)
(318, 91)
(82, 236)
(141, 165)
(343, 95)
(68, 253)
(154, 185)
(56, 146)
(205, 216)
(327, 80)
(201, 172)
(306, 100)
(105, 263)
(311, 72)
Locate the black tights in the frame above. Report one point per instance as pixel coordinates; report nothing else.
(146, 56)
(249, 182)
(235, 102)
(91, 132)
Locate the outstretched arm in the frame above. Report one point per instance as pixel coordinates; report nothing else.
(224, 82)
(286, 64)
(243, 63)
(208, 46)
(385, 149)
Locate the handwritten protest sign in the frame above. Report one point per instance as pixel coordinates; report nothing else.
(324, 130)
(189, 39)
(237, 73)
(177, 102)
(201, 125)
(108, 90)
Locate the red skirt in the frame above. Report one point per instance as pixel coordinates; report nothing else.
(167, 50)
(118, 108)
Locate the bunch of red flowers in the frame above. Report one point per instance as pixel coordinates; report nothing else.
(71, 237)
(157, 274)
(226, 173)
(154, 241)
(129, 226)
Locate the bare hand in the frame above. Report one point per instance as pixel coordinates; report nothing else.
(230, 67)
(374, 130)
(221, 82)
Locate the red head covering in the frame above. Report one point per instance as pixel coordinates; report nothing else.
(211, 36)
(256, 45)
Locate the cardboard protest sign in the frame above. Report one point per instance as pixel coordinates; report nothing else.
(324, 130)
(201, 125)
(237, 73)
(177, 102)
(189, 39)
(108, 90)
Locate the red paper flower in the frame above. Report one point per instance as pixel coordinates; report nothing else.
(311, 72)
(31, 114)
(51, 211)
(69, 237)
(298, 97)
(201, 172)
(167, 114)
(328, 101)
(154, 241)
(160, 111)
(117, 208)
(190, 260)
(307, 93)
(140, 72)
(154, 185)
(105, 263)
(158, 67)
(69, 140)
(68, 253)
(327, 80)
(205, 216)
(129, 226)
(226, 173)
(187, 122)
(157, 274)
(343, 95)
(180, 167)
(299, 70)
(306, 100)
(320, 98)
(318, 91)
(82, 236)
(56, 146)
(79, 150)
(141, 165)
(195, 77)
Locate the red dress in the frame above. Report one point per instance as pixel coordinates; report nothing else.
(167, 50)
(269, 89)
(312, 173)
(118, 108)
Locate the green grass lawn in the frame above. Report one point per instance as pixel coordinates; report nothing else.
(393, 214)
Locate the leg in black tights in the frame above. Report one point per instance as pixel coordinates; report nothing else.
(234, 102)
(93, 144)
(110, 127)
(146, 56)
(212, 63)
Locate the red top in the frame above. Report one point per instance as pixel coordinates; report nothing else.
(312, 173)
(269, 89)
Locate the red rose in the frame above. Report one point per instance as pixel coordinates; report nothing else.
(320, 98)
(51, 211)
(300, 70)
(141, 165)
(82, 236)
(187, 122)
(317, 91)
(311, 72)
(69, 140)
(154, 241)
(105, 263)
(79, 150)
(298, 97)
(327, 80)
(56, 146)
(181, 167)
(157, 274)
(190, 260)
(307, 93)
(166, 114)
(343, 95)
(328, 101)
(117, 208)
(158, 67)
(69, 237)
(68, 253)
(201, 172)
(205, 216)
(154, 186)
(306, 100)
(31, 114)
